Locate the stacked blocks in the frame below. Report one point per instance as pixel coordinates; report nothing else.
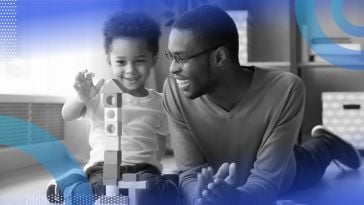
(112, 98)
(112, 109)
(111, 167)
(132, 183)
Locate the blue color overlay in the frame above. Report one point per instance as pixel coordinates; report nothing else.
(342, 22)
(306, 16)
(56, 159)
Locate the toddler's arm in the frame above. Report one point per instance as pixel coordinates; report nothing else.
(86, 90)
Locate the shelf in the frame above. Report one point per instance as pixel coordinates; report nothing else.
(274, 63)
(323, 64)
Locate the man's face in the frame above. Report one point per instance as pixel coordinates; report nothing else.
(194, 76)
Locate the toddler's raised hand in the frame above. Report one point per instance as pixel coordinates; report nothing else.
(84, 86)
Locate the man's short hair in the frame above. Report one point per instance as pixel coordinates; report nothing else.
(212, 26)
(134, 25)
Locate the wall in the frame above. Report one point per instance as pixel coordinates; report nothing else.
(76, 139)
(269, 30)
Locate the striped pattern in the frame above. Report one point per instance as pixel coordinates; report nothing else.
(44, 115)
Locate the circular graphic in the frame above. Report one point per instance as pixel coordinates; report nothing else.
(331, 52)
(342, 22)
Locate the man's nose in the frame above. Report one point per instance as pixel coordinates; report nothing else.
(175, 67)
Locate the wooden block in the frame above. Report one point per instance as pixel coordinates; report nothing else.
(112, 100)
(133, 197)
(106, 181)
(111, 171)
(133, 184)
(130, 177)
(112, 157)
(112, 86)
(111, 167)
(112, 114)
(130, 182)
(113, 128)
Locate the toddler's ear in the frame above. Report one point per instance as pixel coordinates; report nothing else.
(108, 59)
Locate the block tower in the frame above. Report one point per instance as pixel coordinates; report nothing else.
(112, 98)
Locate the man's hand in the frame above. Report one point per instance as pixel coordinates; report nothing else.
(222, 190)
(228, 173)
(203, 179)
(84, 86)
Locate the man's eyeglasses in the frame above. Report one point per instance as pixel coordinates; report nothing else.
(170, 56)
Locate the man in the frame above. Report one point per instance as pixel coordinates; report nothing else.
(249, 117)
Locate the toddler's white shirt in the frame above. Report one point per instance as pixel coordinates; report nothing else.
(144, 130)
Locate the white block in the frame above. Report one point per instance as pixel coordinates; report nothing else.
(133, 184)
(113, 128)
(112, 114)
(112, 190)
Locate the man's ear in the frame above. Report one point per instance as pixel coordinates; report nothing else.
(221, 55)
(108, 59)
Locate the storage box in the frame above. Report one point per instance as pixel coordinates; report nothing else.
(343, 114)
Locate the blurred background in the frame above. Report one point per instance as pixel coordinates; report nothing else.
(44, 43)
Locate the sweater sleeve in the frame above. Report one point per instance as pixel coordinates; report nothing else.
(276, 150)
(189, 158)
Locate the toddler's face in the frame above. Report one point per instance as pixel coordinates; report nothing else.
(131, 61)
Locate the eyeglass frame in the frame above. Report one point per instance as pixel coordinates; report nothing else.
(170, 56)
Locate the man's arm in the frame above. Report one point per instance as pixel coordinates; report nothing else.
(269, 171)
(189, 159)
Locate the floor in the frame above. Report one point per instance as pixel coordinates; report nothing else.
(24, 187)
(335, 188)
(27, 187)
